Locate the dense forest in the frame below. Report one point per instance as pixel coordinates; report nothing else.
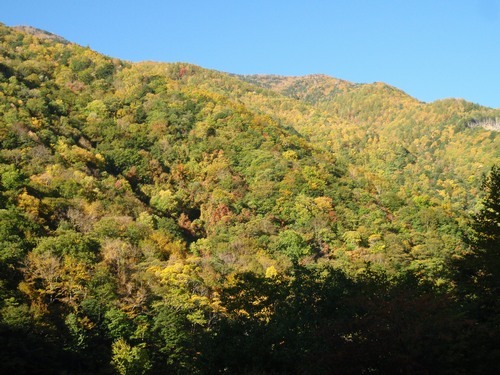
(164, 218)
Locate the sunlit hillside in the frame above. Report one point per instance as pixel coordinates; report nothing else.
(166, 218)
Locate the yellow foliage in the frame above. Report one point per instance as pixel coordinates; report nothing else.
(325, 204)
(29, 203)
(290, 155)
(271, 272)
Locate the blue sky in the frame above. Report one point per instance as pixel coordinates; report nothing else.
(432, 49)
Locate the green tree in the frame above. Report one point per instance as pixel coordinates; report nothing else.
(292, 244)
(130, 360)
(477, 276)
(479, 270)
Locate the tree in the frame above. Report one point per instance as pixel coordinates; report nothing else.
(130, 360)
(479, 270)
(477, 276)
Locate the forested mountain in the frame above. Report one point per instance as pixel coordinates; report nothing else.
(159, 218)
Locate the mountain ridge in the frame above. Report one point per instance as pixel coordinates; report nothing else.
(40, 33)
(257, 78)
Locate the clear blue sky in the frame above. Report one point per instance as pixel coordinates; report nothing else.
(432, 49)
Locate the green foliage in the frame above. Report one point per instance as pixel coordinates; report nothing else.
(117, 323)
(69, 243)
(130, 360)
(477, 274)
(165, 218)
(292, 245)
(12, 178)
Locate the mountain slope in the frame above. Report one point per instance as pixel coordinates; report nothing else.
(126, 118)
(150, 211)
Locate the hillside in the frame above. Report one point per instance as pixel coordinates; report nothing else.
(162, 217)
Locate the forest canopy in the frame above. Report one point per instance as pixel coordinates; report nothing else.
(165, 218)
